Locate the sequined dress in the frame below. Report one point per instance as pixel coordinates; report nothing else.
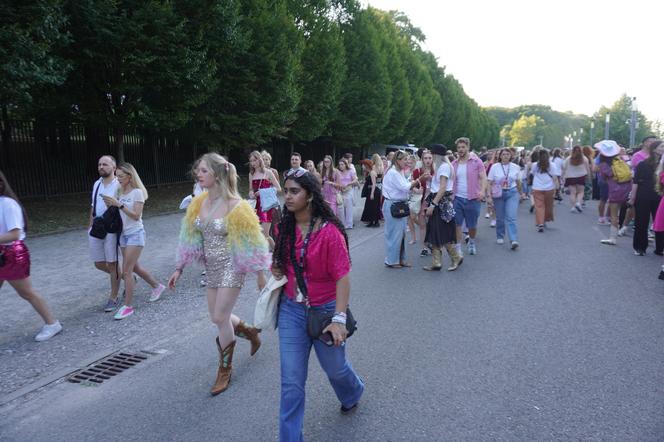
(219, 268)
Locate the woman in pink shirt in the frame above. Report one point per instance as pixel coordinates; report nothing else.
(312, 252)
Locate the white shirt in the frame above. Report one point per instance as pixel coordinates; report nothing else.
(462, 180)
(396, 186)
(443, 170)
(11, 217)
(129, 200)
(110, 190)
(497, 174)
(572, 171)
(544, 181)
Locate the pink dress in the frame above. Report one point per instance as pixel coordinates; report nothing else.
(658, 223)
(263, 183)
(330, 192)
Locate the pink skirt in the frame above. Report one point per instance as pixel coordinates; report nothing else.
(16, 262)
(658, 223)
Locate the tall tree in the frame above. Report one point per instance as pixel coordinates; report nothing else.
(258, 93)
(366, 98)
(137, 63)
(31, 34)
(323, 68)
(393, 45)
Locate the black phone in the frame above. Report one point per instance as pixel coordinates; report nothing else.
(327, 339)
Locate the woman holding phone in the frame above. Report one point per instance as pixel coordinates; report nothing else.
(312, 249)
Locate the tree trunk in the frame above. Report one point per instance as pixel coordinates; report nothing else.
(119, 132)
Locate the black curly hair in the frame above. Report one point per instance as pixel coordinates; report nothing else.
(319, 210)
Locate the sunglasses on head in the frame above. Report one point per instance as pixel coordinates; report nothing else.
(297, 173)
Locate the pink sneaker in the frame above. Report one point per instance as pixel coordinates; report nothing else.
(156, 293)
(124, 312)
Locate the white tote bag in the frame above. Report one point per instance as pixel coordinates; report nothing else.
(265, 313)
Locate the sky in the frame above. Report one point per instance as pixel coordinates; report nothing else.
(571, 55)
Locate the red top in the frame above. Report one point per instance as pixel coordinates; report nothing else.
(327, 261)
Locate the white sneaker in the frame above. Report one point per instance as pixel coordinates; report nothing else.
(487, 216)
(515, 245)
(500, 241)
(610, 241)
(622, 231)
(48, 331)
(156, 293)
(492, 223)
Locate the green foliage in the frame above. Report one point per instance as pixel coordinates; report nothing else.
(31, 34)
(321, 77)
(364, 109)
(234, 73)
(258, 94)
(524, 130)
(619, 124)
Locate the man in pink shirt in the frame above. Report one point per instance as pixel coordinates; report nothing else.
(469, 191)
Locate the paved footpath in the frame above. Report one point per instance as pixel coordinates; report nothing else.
(563, 339)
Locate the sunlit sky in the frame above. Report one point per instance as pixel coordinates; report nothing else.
(571, 55)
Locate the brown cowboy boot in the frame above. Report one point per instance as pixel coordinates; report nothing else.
(225, 368)
(436, 260)
(454, 255)
(250, 333)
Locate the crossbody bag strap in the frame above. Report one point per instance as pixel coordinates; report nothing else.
(94, 199)
(299, 275)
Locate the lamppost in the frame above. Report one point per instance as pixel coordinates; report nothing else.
(573, 140)
(570, 140)
(632, 124)
(606, 126)
(541, 138)
(592, 128)
(581, 136)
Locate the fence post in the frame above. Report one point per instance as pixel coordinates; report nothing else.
(155, 158)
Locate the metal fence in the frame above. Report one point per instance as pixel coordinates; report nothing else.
(45, 160)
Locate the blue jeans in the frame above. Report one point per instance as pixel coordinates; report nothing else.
(506, 210)
(294, 348)
(395, 236)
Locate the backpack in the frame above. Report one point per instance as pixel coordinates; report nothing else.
(112, 220)
(621, 171)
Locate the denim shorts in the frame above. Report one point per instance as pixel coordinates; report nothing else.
(133, 239)
(468, 211)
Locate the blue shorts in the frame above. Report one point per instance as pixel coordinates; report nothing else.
(468, 211)
(133, 239)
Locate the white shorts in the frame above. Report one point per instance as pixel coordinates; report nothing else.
(104, 250)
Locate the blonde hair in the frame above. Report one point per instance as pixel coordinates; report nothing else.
(377, 163)
(437, 161)
(261, 162)
(267, 158)
(225, 174)
(135, 181)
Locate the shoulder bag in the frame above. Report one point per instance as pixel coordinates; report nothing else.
(269, 198)
(317, 319)
(267, 305)
(97, 230)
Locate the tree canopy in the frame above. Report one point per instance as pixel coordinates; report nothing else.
(233, 73)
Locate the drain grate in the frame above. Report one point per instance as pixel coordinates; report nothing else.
(108, 367)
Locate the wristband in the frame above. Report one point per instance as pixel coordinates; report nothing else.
(339, 319)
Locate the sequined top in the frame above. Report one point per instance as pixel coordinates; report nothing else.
(219, 268)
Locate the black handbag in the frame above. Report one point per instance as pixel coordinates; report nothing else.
(98, 230)
(317, 318)
(400, 209)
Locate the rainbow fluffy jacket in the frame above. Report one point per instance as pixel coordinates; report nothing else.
(248, 247)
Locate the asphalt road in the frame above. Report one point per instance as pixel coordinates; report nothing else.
(562, 339)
